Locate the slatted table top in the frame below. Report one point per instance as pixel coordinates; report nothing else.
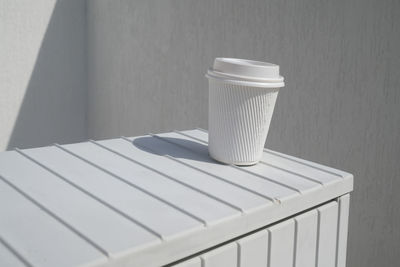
(144, 201)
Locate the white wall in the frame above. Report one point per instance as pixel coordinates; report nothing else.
(340, 106)
(42, 72)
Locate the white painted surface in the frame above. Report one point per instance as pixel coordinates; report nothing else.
(61, 198)
(199, 206)
(327, 235)
(253, 250)
(103, 186)
(228, 193)
(196, 262)
(306, 228)
(146, 201)
(344, 208)
(39, 238)
(293, 242)
(42, 72)
(8, 258)
(281, 244)
(222, 256)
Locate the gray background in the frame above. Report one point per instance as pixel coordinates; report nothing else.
(144, 65)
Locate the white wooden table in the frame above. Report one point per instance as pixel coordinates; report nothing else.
(160, 200)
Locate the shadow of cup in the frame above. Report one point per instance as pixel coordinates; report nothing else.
(174, 147)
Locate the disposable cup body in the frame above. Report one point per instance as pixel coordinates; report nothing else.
(239, 117)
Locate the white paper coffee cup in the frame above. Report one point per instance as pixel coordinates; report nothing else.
(242, 96)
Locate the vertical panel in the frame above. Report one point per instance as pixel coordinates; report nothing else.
(281, 244)
(327, 233)
(253, 250)
(306, 239)
(225, 256)
(344, 203)
(196, 262)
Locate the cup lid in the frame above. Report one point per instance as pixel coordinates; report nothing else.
(244, 70)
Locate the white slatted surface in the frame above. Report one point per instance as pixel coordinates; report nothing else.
(8, 257)
(307, 240)
(152, 200)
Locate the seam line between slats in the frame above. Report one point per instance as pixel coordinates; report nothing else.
(267, 151)
(59, 176)
(268, 179)
(169, 177)
(217, 177)
(250, 172)
(56, 217)
(224, 180)
(271, 165)
(189, 136)
(232, 166)
(15, 252)
(263, 177)
(302, 163)
(294, 173)
(133, 185)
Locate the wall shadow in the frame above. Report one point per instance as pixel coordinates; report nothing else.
(54, 104)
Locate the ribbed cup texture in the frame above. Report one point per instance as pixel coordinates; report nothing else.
(239, 119)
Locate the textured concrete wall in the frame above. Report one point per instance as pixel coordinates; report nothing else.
(340, 106)
(42, 72)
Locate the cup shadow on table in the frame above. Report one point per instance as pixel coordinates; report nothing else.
(174, 147)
